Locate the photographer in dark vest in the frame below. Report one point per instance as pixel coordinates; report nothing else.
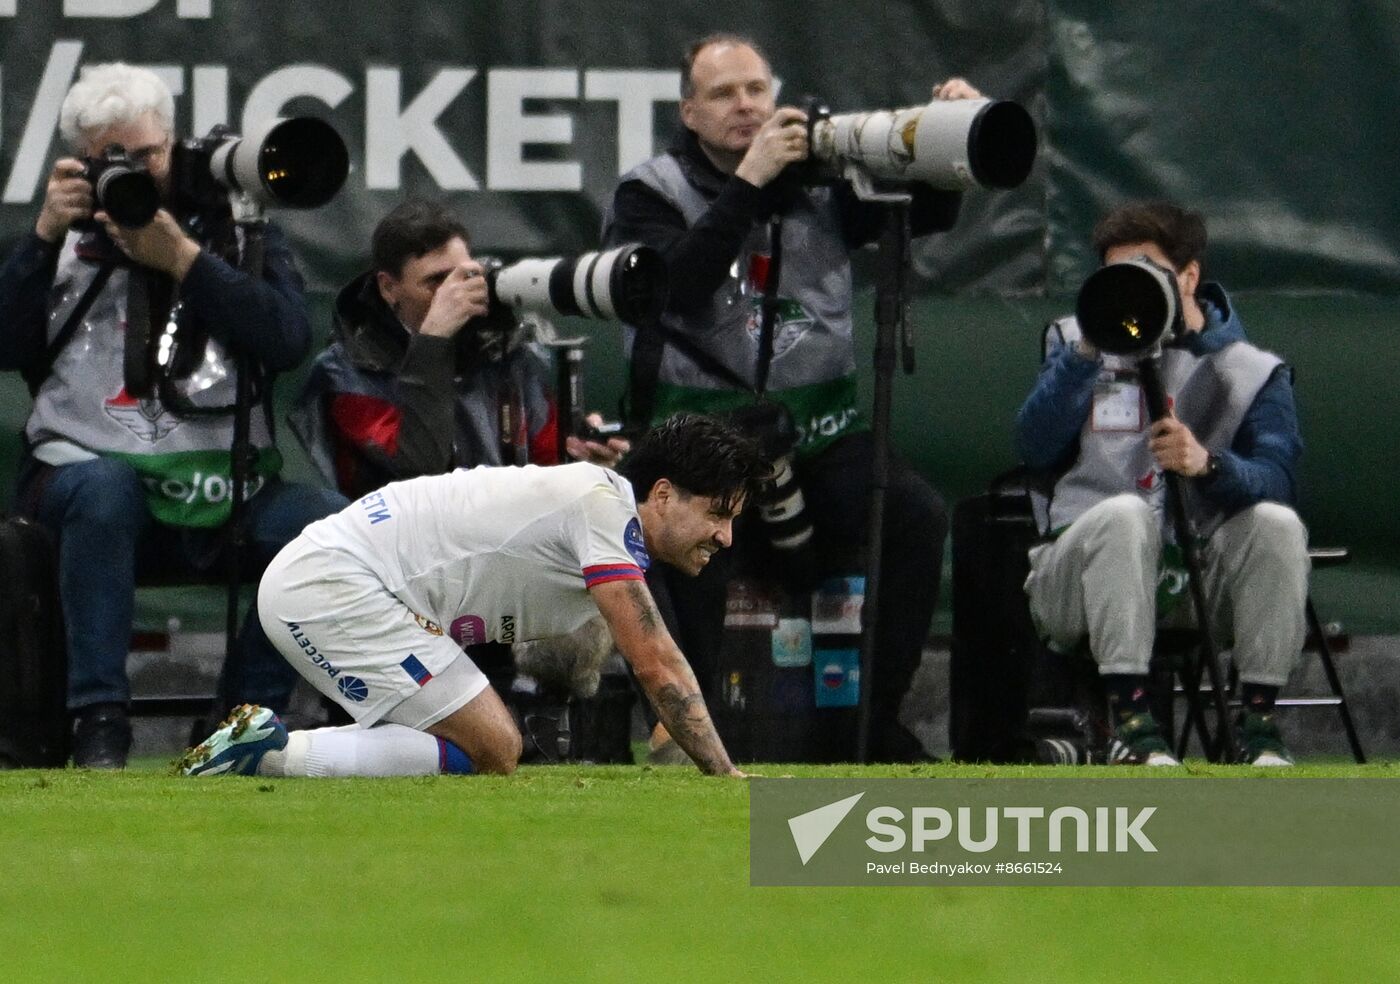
(1109, 572)
(706, 204)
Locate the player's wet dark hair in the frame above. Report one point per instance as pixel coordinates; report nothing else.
(699, 455)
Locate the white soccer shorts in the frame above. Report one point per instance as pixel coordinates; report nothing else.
(358, 644)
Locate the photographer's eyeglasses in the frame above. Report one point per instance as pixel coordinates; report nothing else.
(148, 155)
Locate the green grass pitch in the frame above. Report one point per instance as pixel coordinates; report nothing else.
(577, 874)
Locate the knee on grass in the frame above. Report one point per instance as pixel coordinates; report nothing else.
(497, 753)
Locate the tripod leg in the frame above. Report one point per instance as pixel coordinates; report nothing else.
(1195, 714)
(1149, 372)
(1324, 652)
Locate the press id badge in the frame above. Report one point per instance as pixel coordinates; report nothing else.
(1117, 405)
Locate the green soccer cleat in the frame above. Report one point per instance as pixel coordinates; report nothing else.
(249, 733)
(1259, 741)
(1138, 741)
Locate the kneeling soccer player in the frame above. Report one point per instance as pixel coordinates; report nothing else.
(372, 605)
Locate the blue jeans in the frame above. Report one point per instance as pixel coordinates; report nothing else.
(106, 535)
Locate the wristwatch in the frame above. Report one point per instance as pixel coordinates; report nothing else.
(1212, 465)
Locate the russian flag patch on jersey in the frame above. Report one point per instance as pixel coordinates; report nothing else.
(415, 668)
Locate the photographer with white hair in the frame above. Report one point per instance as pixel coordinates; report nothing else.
(124, 480)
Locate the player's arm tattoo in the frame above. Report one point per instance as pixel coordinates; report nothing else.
(661, 668)
(647, 616)
(685, 717)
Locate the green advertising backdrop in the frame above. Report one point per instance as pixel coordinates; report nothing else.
(1274, 118)
(523, 114)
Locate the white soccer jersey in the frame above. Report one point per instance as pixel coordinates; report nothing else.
(495, 554)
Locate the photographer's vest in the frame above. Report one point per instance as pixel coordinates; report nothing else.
(1210, 394)
(82, 410)
(813, 366)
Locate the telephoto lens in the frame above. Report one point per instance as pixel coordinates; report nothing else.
(783, 509)
(300, 162)
(781, 506)
(1127, 308)
(954, 144)
(626, 283)
(1062, 751)
(1062, 736)
(787, 526)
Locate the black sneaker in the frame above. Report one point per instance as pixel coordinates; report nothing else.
(1259, 741)
(545, 732)
(101, 737)
(1138, 741)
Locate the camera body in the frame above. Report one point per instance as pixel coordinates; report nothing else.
(196, 192)
(121, 187)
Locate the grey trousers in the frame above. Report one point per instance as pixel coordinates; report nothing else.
(1099, 579)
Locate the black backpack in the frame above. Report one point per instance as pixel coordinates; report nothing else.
(34, 730)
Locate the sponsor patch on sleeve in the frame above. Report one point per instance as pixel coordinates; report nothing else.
(636, 545)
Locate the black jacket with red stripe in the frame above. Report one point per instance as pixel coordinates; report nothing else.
(383, 403)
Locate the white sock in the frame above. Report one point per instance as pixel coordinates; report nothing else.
(384, 750)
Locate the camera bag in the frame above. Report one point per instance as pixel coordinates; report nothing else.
(999, 667)
(34, 730)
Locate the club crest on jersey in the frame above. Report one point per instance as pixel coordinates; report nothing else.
(636, 545)
(427, 625)
(790, 325)
(147, 419)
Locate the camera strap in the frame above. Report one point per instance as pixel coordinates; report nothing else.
(150, 297)
(511, 421)
(36, 376)
(768, 308)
